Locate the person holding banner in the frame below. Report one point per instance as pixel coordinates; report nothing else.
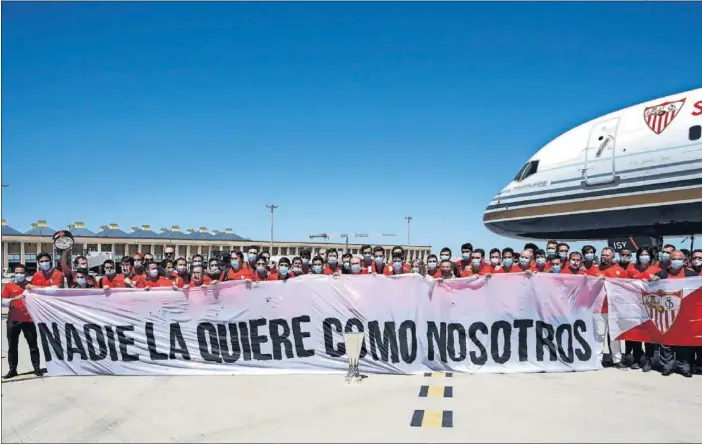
(555, 265)
(356, 266)
(332, 266)
(236, 270)
(574, 265)
(154, 279)
(541, 264)
(477, 265)
(643, 270)
(168, 267)
(19, 321)
(111, 278)
(398, 265)
(379, 266)
(181, 270)
(283, 271)
(130, 279)
(80, 279)
(432, 266)
(346, 263)
(588, 264)
(47, 276)
(675, 357)
(261, 272)
(399, 251)
(317, 265)
(198, 278)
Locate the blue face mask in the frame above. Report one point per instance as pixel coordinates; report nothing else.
(355, 268)
(235, 264)
(397, 266)
(465, 256)
(563, 255)
(540, 260)
(589, 257)
(677, 263)
(332, 261)
(551, 253)
(297, 270)
(45, 265)
(80, 281)
(524, 261)
(644, 259)
(305, 261)
(431, 265)
(507, 262)
(380, 260)
(476, 263)
(664, 256)
(367, 255)
(260, 268)
(283, 270)
(316, 269)
(347, 265)
(555, 268)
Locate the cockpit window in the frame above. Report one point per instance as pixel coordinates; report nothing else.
(527, 170)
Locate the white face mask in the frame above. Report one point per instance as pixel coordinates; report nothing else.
(180, 268)
(19, 277)
(153, 272)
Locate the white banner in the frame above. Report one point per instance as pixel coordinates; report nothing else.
(503, 324)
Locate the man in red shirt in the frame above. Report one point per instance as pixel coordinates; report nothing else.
(236, 271)
(675, 357)
(608, 268)
(591, 268)
(261, 272)
(282, 273)
(111, 278)
(153, 278)
(47, 276)
(19, 321)
(379, 266)
(332, 266)
(574, 264)
(399, 251)
(80, 262)
(477, 265)
(130, 279)
(466, 257)
(541, 264)
(198, 278)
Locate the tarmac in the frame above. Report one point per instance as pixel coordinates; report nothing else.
(601, 406)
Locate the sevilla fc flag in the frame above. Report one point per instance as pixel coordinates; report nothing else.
(663, 312)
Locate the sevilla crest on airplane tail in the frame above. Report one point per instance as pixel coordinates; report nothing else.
(663, 307)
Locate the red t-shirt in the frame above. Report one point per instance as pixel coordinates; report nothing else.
(54, 278)
(205, 281)
(160, 282)
(18, 310)
(482, 271)
(116, 282)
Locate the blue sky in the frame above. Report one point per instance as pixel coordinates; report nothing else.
(349, 116)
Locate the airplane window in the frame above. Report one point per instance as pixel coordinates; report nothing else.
(695, 132)
(527, 170)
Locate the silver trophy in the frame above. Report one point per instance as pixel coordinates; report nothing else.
(354, 342)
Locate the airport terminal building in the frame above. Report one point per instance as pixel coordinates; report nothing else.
(19, 247)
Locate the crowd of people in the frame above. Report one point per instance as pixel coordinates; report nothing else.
(253, 265)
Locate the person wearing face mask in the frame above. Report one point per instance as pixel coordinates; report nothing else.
(525, 264)
(251, 257)
(237, 270)
(197, 261)
(323, 254)
(640, 354)
(508, 265)
(555, 265)
(128, 277)
(367, 254)
(563, 249)
(574, 264)
(496, 260)
(591, 268)
(317, 265)
(283, 272)
(153, 276)
(477, 265)
(47, 276)
(399, 251)
(81, 279)
(267, 257)
(261, 273)
(111, 278)
(433, 266)
(296, 269)
(332, 266)
(19, 322)
(664, 256)
(181, 271)
(214, 270)
(379, 266)
(357, 266)
(624, 261)
(139, 265)
(687, 254)
(346, 263)
(445, 255)
(78, 262)
(168, 267)
(541, 264)
(609, 269)
(675, 358)
(551, 250)
(198, 277)
(306, 257)
(696, 261)
(466, 254)
(398, 265)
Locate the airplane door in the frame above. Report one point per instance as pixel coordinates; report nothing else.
(600, 153)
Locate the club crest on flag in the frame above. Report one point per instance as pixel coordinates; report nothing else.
(663, 307)
(658, 117)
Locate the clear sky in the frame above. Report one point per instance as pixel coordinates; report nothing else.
(349, 116)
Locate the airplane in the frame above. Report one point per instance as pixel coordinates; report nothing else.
(632, 172)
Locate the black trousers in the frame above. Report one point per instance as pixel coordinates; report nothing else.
(14, 328)
(638, 352)
(676, 358)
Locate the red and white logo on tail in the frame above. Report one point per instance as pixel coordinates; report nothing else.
(658, 117)
(663, 307)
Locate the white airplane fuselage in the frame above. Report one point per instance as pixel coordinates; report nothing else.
(636, 171)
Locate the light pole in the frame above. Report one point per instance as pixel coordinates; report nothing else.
(409, 221)
(272, 207)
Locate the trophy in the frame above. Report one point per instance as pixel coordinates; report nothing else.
(63, 240)
(354, 342)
